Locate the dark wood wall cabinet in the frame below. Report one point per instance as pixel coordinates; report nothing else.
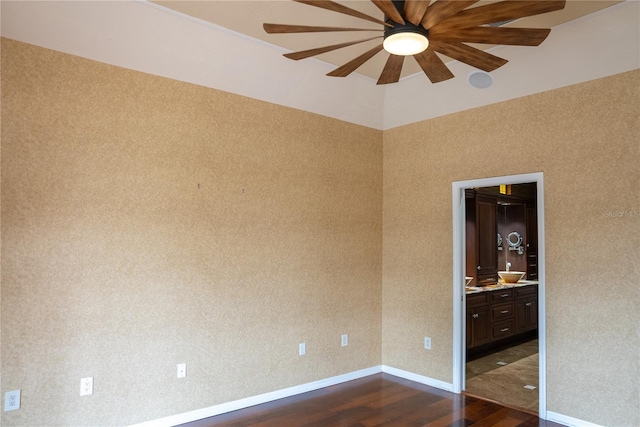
(532, 243)
(486, 239)
(497, 317)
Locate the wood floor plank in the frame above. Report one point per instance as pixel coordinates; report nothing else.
(401, 411)
(379, 400)
(441, 414)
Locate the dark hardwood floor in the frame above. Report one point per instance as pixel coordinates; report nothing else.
(376, 400)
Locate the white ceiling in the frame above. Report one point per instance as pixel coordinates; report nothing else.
(209, 49)
(247, 16)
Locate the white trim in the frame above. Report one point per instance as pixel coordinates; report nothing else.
(459, 263)
(569, 421)
(542, 305)
(222, 408)
(417, 378)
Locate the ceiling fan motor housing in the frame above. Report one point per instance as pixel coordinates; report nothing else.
(407, 27)
(402, 28)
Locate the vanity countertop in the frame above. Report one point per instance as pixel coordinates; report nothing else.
(489, 288)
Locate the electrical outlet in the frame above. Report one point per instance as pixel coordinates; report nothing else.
(12, 400)
(345, 340)
(182, 370)
(427, 343)
(302, 349)
(86, 386)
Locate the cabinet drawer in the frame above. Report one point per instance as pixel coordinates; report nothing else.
(502, 295)
(526, 291)
(502, 330)
(477, 300)
(502, 311)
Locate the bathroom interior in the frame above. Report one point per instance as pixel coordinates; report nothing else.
(501, 287)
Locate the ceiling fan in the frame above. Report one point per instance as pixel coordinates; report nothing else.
(420, 28)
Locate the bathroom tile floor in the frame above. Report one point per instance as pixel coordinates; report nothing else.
(507, 376)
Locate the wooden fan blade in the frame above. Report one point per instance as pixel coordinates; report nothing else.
(414, 10)
(352, 65)
(469, 55)
(389, 9)
(497, 35)
(392, 70)
(317, 51)
(443, 9)
(337, 7)
(497, 12)
(433, 66)
(284, 28)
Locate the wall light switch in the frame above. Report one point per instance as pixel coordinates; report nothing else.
(302, 349)
(345, 340)
(182, 370)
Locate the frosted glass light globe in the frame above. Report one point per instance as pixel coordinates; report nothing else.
(406, 43)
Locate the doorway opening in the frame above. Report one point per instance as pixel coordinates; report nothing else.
(496, 322)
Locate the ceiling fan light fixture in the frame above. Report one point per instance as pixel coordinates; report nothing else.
(405, 39)
(405, 43)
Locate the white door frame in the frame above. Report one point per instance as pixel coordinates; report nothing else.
(459, 272)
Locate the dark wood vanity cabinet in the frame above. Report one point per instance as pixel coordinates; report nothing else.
(500, 315)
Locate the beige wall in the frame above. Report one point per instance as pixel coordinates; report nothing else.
(148, 222)
(584, 139)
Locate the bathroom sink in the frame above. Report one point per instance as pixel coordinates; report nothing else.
(511, 276)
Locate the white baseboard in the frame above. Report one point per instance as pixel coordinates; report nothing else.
(222, 408)
(211, 411)
(417, 378)
(568, 421)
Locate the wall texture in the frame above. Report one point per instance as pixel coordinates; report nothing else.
(148, 222)
(584, 139)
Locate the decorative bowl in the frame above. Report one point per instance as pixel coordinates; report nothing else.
(511, 276)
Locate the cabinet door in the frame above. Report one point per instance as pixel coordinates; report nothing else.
(470, 322)
(526, 314)
(478, 330)
(533, 314)
(486, 237)
(483, 331)
(522, 315)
